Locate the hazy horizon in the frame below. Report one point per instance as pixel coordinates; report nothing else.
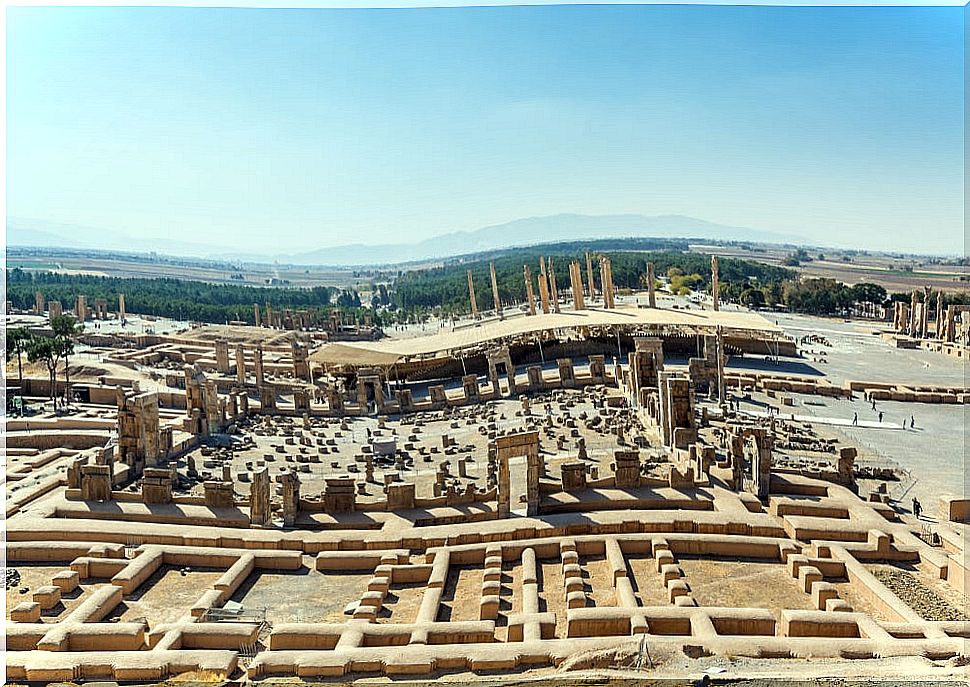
(281, 131)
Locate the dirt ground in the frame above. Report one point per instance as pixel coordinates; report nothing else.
(739, 584)
(303, 595)
(647, 582)
(167, 596)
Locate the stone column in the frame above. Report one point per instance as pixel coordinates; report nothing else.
(256, 314)
(912, 314)
(54, 309)
(651, 279)
(471, 295)
(291, 497)
(121, 307)
(950, 332)
(543, 287)
(38, 303)
(81, 309)
(720, 366)
(530, 296)
(555, 290)
(939, 314)
(498, 303)
(606, 277)
(258, 361)
(259, 498)
(222, 356)
(715, 284)
(925, 315)
(589, 275)
(576, 281)
(240, 364)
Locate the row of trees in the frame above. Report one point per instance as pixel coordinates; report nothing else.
(51, 350)
(176, 298)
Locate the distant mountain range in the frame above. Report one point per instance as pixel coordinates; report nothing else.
(533, 230)
(521, 232)
(43, 234)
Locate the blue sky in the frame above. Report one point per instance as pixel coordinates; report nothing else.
(285, 130)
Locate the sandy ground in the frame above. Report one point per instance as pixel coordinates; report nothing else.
(744, 584)
(303, 595)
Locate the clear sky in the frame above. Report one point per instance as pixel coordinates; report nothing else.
(291, 130)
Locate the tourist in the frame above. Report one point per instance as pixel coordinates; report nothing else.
(855, 419)
(912, 421)
(880, 417)
(917, 507)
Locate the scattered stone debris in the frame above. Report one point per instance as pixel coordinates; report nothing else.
(927, 603)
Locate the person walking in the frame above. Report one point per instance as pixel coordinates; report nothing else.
(880, 417)
(912, 422)
(917, 507)
(855, 419)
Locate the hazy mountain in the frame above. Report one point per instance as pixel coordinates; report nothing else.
(534, 230)
(521, 232)
(33, 233)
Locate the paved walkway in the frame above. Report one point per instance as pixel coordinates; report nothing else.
(838, 421)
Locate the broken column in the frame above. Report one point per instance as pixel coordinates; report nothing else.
(290, 482)
(715, 284)
(240, 364)
(576, 281)
(913, 321)
(121, 307)
(54, 310)
(554, 291)
(222, 356)
(606, 277)
(471, 295)
(156, 485)
(626, 469)
(495, 298)
(219, 493)
(38, 303)
(96, 482)
(543, 286)
(338, 495)
(258, 362)
(81, 309)
(651, 282)
(589, 275)
(530, 297)
(573, 476)
(925, 313)
(301, 361)
(259, 498)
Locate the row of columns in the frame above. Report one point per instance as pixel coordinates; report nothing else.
(55, 309)
(549, 294)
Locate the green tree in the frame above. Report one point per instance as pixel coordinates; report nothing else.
(66, 330)
(18, 340)
(865, 292)
(49, 350)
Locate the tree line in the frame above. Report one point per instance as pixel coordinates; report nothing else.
(176, 298)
